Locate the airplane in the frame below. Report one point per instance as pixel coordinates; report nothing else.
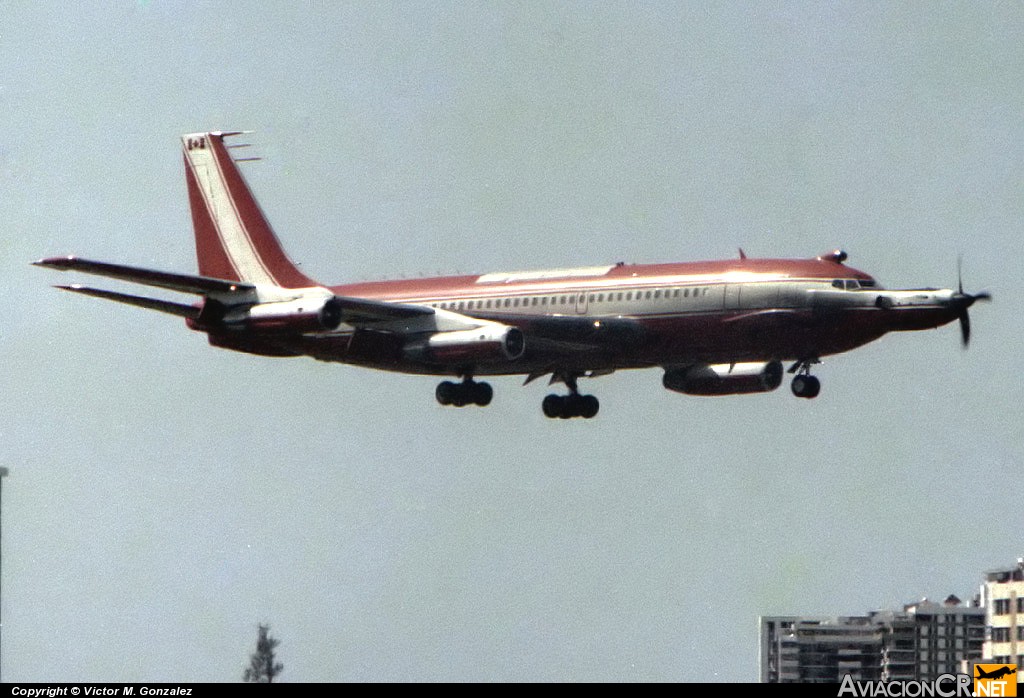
(715, 328)
(995, 674)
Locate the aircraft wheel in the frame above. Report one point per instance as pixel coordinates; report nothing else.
(483, 393)
(813, 387)
(552, 406)
(806, 386)
(445, 393)
(589, 406)
(570, 407)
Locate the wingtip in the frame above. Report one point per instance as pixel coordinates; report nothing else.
(56, 262)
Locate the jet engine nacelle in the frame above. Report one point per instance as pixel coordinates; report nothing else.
(725, 379)
(485, 344)
(300, 315)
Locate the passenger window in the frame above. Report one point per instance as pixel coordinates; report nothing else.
(838, 283)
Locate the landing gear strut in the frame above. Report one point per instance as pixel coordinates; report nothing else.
(468, 392)
(571, 405)
(804, 384)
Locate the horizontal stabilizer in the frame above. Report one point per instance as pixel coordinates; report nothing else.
(179, 309)
(184, 283)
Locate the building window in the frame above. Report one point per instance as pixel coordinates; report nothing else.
(1000, 635)
(1002, 607)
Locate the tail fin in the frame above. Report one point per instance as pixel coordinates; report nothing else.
(234, 241)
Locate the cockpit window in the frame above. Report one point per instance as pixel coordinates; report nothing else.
(855, 284)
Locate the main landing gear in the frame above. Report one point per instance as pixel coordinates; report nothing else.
(571, 405)
(804, 384)
(468, 392)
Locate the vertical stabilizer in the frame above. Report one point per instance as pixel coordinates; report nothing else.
(234, 241)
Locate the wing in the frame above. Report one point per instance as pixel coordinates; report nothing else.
(579, 333)
(362, 311)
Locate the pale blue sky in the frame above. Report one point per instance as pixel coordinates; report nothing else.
(166, 496)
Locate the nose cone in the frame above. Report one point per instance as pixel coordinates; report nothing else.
(960, 302)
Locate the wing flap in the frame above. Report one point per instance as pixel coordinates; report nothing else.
(184, 283)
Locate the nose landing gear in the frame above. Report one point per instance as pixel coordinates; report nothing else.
(804, 384)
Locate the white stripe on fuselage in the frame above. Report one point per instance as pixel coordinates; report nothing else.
(698, 294)
(234, 238)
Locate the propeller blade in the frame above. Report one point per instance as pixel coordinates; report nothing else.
(965, 328)
(962, 301)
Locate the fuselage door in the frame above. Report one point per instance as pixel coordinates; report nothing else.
(732, 296)
(581, 303)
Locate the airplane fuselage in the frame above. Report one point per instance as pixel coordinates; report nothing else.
(644, 315)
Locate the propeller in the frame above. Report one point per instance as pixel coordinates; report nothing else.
(962, 301)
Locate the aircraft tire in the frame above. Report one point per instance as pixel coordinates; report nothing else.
(483, 393)
(813, 387)
(589, 406)
(806, 386)
(445, 393)
(552, 406)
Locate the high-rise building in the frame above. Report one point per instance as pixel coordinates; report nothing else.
(797, 649)
(921, 642)
(929, 639)
(1002, 596)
